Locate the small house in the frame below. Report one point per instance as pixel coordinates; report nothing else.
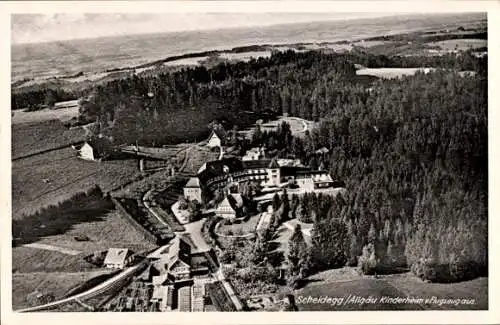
(215, 139)
(87, 152)
(95, 149)
(192, 190)
(118, 258)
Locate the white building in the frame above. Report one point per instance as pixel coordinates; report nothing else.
(192, 190)
(118, 258)
(215, 139)
(87, 152)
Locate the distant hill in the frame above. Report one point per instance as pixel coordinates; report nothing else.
(67, 58)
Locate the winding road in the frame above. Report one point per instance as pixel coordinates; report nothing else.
(93, 292)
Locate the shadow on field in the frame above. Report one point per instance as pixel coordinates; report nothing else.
(303, 282)
(57, 220)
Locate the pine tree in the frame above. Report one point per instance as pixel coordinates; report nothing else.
(372, 234)
(285, 206)
(296, 248)
(276, 202)
(303, 213)
(330, 244)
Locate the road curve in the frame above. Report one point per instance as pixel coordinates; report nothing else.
(95, 291)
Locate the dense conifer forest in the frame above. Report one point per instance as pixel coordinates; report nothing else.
(413, 152)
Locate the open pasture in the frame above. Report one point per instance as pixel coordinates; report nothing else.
(459, 44)
(298, 126)
(186, 61)
(244, 56)
(30, 138)
(56, 284)
(63, 114)
(197, 155)
(391, 73)
(405, 286)
(54, 176)
(40, 269)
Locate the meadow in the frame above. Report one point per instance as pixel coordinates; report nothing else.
(298, 126)
(460, 44)
(31, 138)
(56, 284)
(390, 73)
(54, 176)
(46, 114)
(54, 272)
(403, 285)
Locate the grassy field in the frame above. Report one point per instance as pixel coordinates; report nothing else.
(390, 73)
(55, 272)
(63, 114)
(476, 289)
(29, 138)
(404, 285)
(51, 177)
(298, 126)
(197, 156)
(460, 44)
(103, 229)
(245, 56)
(246, 227)
(186, 61)
(56, 284)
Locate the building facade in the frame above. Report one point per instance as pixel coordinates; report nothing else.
(117, 258)
(192, 190)
(215, 139)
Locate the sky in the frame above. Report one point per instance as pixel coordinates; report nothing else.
(36, 28)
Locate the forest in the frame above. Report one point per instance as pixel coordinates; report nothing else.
(413, 152)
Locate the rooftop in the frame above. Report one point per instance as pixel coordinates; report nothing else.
(116, 255)
(193, 182)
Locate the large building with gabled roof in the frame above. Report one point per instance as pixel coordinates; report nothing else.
(268, 172)
(180, 267)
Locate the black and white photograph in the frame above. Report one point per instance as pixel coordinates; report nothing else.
(231, 161)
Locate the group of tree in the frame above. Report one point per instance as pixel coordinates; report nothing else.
(412, 151)
(192, 207)
(37, 97)
(414, 159)
(152, 108)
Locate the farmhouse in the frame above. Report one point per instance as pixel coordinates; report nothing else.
(95, 149)
(67, 104)
(215, 139)
(118, 258)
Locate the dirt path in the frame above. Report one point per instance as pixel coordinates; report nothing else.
(53, 248)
